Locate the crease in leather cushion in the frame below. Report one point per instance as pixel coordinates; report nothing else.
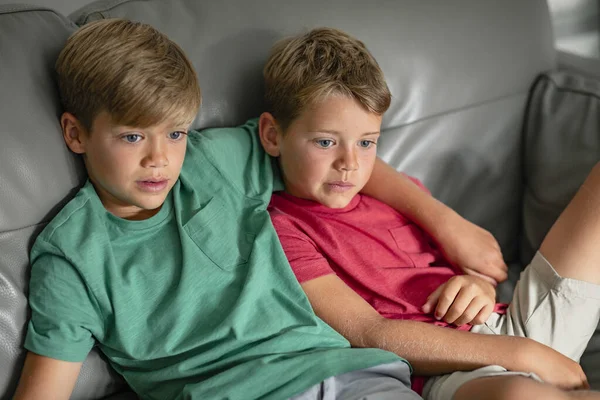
(37, 175)
(561, 145)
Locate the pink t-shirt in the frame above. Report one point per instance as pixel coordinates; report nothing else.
(383, 256)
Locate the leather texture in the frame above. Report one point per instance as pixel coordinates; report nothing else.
(460, 73)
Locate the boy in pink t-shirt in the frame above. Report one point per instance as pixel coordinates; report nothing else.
(379, 279)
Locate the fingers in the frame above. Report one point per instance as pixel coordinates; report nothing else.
(448, 298)
(585, 385)
(490, 261)
(433, 299)
(462, 300)
(476, 313)
(472, 272)
(492, 264)
(463, 307)
(497, 270)
(482, 316)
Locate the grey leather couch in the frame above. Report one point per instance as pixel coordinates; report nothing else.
(495, 122)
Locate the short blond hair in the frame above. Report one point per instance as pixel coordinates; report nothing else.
(325, 61)
(129, 70)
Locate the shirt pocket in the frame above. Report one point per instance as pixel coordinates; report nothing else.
(411, 239)
(217, 232)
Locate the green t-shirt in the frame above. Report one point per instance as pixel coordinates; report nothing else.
(196, 302)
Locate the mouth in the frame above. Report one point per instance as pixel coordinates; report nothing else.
(152, 185)
(340, 186)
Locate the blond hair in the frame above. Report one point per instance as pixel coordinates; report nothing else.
(325, 61)
(129, 70)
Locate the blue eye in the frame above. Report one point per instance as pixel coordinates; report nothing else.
(176, 135)
(132, 138)
(366, 143)
(324, 143)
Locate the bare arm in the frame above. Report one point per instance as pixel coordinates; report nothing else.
(47, 378)
(465, 245)
(432, 350)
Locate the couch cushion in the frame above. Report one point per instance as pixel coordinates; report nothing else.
(37, 174)
(562, 144)
(459, 73)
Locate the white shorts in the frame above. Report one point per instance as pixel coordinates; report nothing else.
(559, 312)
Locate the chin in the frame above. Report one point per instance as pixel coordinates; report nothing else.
(151, 205)
(337, 203)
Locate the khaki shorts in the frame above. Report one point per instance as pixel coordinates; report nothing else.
(559, 312)
(381, 382)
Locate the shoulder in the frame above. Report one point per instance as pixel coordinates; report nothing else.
(75, 213)
(284, 215)
(282, 220)
(73, 224)
(235, 155)
(225, 147)
(219, 139)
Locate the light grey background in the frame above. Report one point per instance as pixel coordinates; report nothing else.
(575, 21)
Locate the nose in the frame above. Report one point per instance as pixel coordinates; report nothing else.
(347, 161)
(156, 156)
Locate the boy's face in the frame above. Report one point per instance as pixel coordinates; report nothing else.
(132, 169)
(327, 153)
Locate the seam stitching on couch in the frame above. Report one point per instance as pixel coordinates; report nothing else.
(24, 7)
(109, 7)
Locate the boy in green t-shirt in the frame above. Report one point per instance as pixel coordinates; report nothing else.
(166, 258)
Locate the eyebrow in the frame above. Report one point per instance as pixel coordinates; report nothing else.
(332, 132)
(131, 129)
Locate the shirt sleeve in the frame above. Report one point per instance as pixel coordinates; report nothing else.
(306, 260)
(64, 314)
(239, 156)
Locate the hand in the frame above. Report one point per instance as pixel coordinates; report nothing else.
(470, 248)
(550, 365)
(464, 299)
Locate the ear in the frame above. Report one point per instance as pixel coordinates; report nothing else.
(74, 133)
(269, 134)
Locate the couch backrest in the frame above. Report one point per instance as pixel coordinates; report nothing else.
(459, 72)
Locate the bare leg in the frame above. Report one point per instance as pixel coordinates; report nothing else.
(517, 388)
(572, 245)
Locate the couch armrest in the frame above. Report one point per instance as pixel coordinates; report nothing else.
(587, 66)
